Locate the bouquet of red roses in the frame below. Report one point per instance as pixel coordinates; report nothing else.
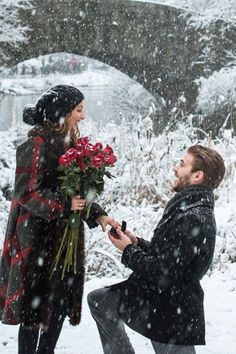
(84, 167)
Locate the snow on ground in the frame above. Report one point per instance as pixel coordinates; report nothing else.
(23, 85)
(84, 339)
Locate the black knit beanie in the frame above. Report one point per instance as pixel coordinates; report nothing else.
(53, 105)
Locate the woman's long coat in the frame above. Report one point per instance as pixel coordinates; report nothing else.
(163, 298)
(35, 226)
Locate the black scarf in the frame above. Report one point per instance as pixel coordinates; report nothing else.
(187, 198)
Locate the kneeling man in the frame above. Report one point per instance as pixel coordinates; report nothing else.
(162, 299)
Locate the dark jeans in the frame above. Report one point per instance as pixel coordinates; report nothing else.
(103, 306)
(46, 338)
(28, 338)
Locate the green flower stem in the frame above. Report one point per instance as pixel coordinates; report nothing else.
(75, 241)
(88, 208)
(69, 244)
(60, 251)
(67, 260)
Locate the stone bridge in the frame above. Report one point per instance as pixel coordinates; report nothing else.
(149, 42)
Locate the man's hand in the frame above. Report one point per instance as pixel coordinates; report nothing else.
(105, 220)
(120, 242)
(132, 237)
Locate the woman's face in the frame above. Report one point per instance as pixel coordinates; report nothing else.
(76, 116)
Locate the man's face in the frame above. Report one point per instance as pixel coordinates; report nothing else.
(183, 173)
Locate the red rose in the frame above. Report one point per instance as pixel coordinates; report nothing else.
(71, 154)
(81, 165)
(82, 141)
(79, 147)
(110, 159)
(79, 154)
(88, 150)
(71, 151)
(98, 160)
(97, 147)
(108, 150)
(63, 160)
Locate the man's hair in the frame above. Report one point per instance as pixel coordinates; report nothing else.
(210, 162)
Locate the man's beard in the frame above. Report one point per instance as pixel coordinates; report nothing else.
(181, 183)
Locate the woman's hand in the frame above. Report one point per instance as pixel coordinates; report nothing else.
(105, 220)
(120, 242)
(77, 203)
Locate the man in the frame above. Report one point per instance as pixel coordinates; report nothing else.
(163, 299)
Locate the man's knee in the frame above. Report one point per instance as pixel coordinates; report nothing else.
(94, 298)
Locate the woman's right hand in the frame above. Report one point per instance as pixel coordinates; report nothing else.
(77, 203)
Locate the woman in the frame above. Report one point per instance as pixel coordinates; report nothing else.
(28, 295)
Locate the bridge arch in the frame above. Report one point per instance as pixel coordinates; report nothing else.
(147, 41)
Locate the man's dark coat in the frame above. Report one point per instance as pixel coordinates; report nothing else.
(163, 298)
(35, 227)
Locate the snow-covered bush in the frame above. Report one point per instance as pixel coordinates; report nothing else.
(216, 100)
(217, 91)
(142, 187)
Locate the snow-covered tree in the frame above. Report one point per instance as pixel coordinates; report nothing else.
(204, 12)
(12, 31)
